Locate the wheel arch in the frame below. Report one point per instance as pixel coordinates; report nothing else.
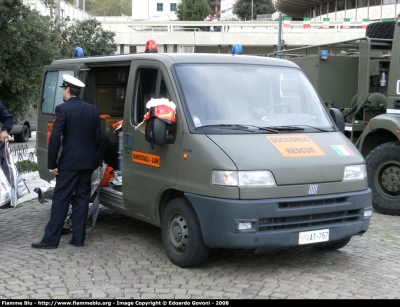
(164, 199)
(376, 138)
(381, 129)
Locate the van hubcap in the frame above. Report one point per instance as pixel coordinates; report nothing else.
(178, 233)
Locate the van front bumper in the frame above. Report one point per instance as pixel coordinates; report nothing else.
(278, 222)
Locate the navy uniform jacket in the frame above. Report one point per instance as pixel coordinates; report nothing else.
(6, 119)
(78, 123)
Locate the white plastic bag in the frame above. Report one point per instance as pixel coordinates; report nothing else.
(5, 189)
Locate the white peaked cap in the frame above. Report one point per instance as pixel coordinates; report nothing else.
(72, 81)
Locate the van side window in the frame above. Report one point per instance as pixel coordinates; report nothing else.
(149, 84)
(52, 92)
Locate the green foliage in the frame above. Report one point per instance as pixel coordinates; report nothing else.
(90, 36)
(26, 166)
(28, 41)
(243, 8)
(195, 10)
(108, 7)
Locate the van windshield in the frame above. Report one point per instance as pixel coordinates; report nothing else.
(221, 98)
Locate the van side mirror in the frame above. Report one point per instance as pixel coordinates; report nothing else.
(159, 132)
(338, 118)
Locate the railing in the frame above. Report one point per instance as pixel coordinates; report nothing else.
(231, 26)
(24, 158)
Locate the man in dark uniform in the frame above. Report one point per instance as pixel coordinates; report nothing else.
(7, 122)
(78, 123)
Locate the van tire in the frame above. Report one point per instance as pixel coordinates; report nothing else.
(383, 169)
(23, 136)
(181, 234)
(333, 245)
(381, 30)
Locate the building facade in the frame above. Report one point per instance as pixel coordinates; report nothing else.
(338, 10)
(67, 11)
(155, 10)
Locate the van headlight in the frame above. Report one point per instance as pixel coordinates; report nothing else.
(243, 178)
(355, 172)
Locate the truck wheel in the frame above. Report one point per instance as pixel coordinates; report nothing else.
(383, 168)
(23, 136)
(333, 245)
(181, 234)
(381, 30)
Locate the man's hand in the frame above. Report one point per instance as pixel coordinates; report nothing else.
(54, 171)
(4, 135)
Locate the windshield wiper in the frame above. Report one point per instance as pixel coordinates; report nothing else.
(293, 128)
(237, 127)
(286, 128)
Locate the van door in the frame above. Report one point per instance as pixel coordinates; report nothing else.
(51, 96)
(147, 171)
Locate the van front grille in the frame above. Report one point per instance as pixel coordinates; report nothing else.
(311, 220)
(308, 203)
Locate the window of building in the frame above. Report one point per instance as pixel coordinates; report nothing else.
(172, 7)
(340, 5)
(160, 7)
(390, 1)
(331, 6)
(324, 8)
(317, 11)
(362, 3)
(375, 2)
(351, 4)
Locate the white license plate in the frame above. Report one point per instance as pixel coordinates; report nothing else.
(314, 236)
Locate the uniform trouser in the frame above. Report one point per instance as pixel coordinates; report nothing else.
(72, 187)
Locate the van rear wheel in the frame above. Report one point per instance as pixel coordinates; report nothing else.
(181, 234)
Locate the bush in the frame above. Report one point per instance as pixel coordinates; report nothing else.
(26, 166)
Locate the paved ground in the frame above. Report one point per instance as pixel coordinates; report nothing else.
(124, 258)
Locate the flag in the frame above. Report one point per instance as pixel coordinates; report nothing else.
(286, 22)
(306, 23)
(325, 23)
(342, 150)
(346, 23)
(365, 23)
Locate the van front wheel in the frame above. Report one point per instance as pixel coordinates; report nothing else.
(181, 234)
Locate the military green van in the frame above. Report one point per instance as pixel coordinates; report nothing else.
(251, 160)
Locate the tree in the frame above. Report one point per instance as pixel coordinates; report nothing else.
(108, 7)
(243, 8)
(90, 36)
(194, 10)
(28, 41)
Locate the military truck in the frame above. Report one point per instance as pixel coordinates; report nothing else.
(219, 151)
(361, 77)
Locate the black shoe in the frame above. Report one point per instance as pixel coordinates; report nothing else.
(73, 243)
(42, 245)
